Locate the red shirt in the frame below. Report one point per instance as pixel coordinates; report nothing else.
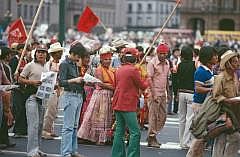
(127, 84)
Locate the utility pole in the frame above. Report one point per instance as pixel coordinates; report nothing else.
(61, 36)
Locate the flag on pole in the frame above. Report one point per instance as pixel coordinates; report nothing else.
(87, 20)
(17, 32)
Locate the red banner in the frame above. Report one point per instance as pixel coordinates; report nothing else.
(17, 32)
(87, 20)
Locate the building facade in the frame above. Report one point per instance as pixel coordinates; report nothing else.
(112, 13)
(211, 15)
(151, 14)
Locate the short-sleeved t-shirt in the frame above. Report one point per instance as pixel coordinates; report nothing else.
(204, 76)
(32, 71)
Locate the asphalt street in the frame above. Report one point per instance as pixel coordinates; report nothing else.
(168, 137)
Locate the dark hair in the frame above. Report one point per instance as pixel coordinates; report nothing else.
(20, 46)
(130, 59)
(5, 51)
(187, 53)
(78, 49)
(175, 49)
(221, 51)
(206, 53)
(151, 51)
(196, 51)
(140, 48)
(35, 56)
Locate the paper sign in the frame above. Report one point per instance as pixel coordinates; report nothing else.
(89, 78)
(46, 89)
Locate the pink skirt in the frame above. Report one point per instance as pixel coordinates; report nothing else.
(97, 121)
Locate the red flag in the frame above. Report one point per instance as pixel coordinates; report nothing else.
(87, 20)
(17, 32)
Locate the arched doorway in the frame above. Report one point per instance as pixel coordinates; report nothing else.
(226, 25)
(197, 24)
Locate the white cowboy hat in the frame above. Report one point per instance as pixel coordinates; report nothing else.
(55, 47)
(226, 57)
(119, 43)
(107, 49)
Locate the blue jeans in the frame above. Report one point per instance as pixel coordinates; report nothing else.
(35, 114)
(71, 103)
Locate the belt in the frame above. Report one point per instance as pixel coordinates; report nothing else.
(74, 91)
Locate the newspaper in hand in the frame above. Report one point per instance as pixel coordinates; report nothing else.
(47, 87)
(89, 78)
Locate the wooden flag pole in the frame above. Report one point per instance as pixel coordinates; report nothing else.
(164, 25)
(29, 36)
(104, 27)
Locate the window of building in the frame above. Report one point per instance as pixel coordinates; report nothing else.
(43, 14)
(161, 8)
(166, 9)
(139, 21)
(19, 10)
(129, 21)
(149, 20)
(31, 11)
(139, 8)
(25, 11)
(149, 7)
(130, 8)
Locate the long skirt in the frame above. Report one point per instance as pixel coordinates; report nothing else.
(89, 91)
(97, 121)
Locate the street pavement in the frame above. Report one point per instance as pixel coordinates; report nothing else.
(168, 137)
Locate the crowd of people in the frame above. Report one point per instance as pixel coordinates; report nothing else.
(130, 89)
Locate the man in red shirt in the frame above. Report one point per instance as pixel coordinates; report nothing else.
(127, 85)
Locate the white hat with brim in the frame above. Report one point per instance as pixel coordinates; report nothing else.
(107, 49)
(56, 47)
(119, 43)
(226, 57)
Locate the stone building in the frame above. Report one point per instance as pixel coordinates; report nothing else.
(151, 14)
(210, 15)
(112, 13)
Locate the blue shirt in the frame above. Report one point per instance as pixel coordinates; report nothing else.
(204, 76)
(69, 70)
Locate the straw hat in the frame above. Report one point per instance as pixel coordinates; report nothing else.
(119, 43)
(56, 47)
(106, 49)
(226, 57)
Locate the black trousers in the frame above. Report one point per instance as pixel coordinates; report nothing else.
(4, 131)
(19, 111)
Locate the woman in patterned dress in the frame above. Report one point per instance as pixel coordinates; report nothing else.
(97, 121)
